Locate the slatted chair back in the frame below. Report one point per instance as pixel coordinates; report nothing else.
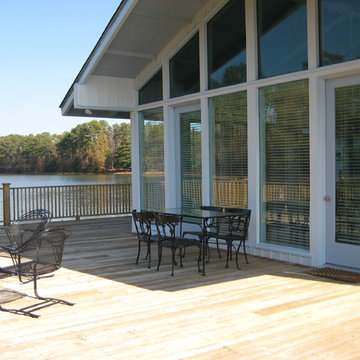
(143, 221)
(28, 225)
(237, 224)
(167, 226)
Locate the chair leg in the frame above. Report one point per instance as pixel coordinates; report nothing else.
(217, 246)
(149, 254)
(207, 247)
(138, 254)
(199, 259)
(245, 254)
(54, 300)
(173, 251)
(228, 255)
(237, 254)
(159, 256)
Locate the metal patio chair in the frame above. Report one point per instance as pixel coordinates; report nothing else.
(168, 226)
(232, 229)
(143, 220)
(212, 229)
(24, 228)
(40, 255)
(28, 224)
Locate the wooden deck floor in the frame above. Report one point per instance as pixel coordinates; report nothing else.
(267, 310)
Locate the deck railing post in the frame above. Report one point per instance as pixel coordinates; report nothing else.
(6, 203)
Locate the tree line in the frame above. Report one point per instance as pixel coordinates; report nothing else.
(93, 146)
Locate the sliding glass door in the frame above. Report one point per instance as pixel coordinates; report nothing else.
(189, 155)
(343, 166)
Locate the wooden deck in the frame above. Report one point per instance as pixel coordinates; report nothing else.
(267, 310)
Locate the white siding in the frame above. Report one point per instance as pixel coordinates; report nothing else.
(101, 92)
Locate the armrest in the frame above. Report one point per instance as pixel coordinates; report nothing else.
(8, 249)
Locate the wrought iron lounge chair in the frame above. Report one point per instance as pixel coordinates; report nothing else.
(28, 224)
(234, 229)
(24, 228)
(143, 221)
(167, 227)
(40, 255)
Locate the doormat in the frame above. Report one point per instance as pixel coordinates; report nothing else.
(336, 274)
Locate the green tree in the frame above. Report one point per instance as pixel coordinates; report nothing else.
(122, 146)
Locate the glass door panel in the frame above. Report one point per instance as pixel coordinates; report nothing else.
(190, 158)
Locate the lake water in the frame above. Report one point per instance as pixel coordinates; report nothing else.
(20, 180)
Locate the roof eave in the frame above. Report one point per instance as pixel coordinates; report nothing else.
(101, 46)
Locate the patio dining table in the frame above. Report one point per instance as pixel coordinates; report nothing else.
(203, 216)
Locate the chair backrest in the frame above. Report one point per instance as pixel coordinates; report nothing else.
(237, 224)
(211, 208)
(28, 225)
(166, 225)
(46, 249)
(143, 221)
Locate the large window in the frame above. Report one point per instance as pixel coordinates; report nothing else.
(184, 69)
(152, 90)
(282, 33)
(339, 31)
(152, 159)
(285, 169)
(228, 149)
(227, 46)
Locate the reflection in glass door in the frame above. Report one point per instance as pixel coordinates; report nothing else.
(190, 158)
(343, 121)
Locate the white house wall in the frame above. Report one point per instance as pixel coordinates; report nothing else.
(101, 92)
(317, 77)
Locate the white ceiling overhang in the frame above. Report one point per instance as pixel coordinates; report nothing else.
(134, 37)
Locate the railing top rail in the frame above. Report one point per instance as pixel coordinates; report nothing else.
(69, 186)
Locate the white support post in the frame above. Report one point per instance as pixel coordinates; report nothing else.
(317, 170)
(170, 158)
(313, 34)
(253, 166)
(251, 40)
(135, 161)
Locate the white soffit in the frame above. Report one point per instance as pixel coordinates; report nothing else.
(150, 25)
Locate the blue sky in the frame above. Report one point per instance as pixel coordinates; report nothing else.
(43, 45)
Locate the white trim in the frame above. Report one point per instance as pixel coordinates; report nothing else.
(67, 106)
(313, 33)
(203, 57)
(251, 40)
(253, 128)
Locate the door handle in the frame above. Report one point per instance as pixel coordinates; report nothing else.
(327, 198)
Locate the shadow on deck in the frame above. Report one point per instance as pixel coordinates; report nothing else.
(107, 248)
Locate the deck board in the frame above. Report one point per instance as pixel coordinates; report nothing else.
(267, 310)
